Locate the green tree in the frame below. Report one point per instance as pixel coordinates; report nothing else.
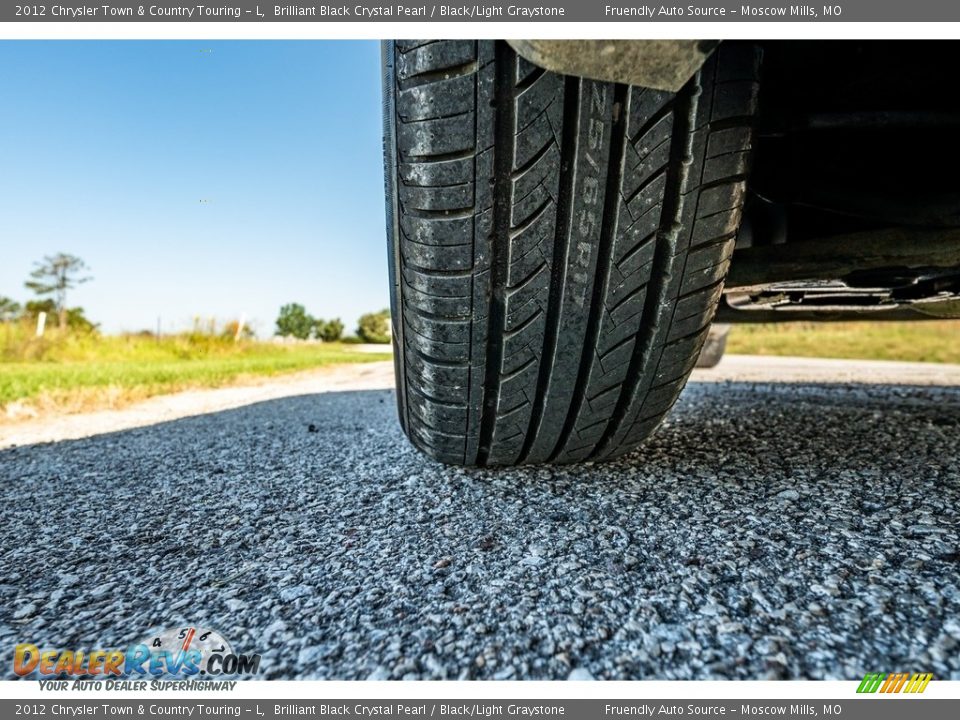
(74, 318)
(294, 321)
(374, 327)
(35, 307)
(328, 330)
(9, 309)
(55, 275)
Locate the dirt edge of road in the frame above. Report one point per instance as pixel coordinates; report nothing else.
(54, 427)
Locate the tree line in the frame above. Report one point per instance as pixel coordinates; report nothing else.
(294, 321)
(56, 275)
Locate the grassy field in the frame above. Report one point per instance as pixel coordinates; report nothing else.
(927, 341)
(78, 372)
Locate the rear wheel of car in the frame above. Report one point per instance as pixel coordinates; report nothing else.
(557, 246)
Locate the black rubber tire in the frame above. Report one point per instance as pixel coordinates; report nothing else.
(557, 246)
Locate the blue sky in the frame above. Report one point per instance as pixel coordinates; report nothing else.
(195, 177)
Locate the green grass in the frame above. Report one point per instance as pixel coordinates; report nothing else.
(78, 372)
(926, 341)
(71, 371)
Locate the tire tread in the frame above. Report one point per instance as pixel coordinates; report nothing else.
(561, 243)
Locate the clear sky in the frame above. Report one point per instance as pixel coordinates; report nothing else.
(196, 178)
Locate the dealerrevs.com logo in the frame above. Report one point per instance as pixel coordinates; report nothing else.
(184, 652)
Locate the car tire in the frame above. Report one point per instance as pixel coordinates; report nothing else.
(557, 246)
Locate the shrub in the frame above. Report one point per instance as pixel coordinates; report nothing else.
(74, 317)
(9, 309)
(294, 321)
(328, 330)
(374, 327)
(76, 320)
(230, 331)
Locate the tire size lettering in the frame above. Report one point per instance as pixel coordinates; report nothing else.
(587, 220)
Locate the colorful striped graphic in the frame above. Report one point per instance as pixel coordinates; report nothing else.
(895, 682)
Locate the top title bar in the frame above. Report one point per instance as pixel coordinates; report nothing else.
(557, 11)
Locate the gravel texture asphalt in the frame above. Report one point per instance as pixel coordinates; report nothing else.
(766, 531)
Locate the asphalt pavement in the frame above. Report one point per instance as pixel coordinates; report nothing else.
(768, 530)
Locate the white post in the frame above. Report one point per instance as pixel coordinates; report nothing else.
(41, 323)
(240, 324)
